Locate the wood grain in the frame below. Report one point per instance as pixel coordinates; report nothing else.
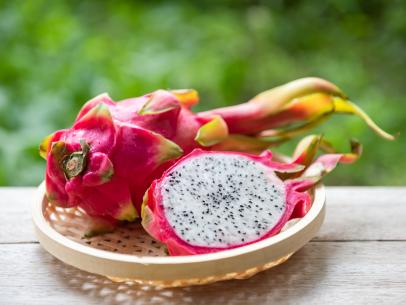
(320, 273)
(365, 213)
(15, 216)
(357, 258)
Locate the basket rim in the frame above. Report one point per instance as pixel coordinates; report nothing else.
(44, 227)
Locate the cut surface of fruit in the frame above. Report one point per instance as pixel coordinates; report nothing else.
(222, 200)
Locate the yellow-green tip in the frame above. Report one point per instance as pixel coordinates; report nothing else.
(212, 132)
(345, 106)
(156, 104)
(45, 146)
(187, 97)
(101, 110)
(98, 226)
(168, 150)
(127, 213)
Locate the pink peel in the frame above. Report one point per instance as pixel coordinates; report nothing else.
(154, 215)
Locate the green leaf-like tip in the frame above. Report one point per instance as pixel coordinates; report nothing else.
(212, 132)
(98, 226)
(155, 105)
(85, 147)
(306, 149)
(146, 214)
(106, 177)
(127, 212)
(58, 150)
(345, 106)
(167, 149)
(44, 146)
(100, 111)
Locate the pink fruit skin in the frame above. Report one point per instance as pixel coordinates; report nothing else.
(155, 223)
(127, 151)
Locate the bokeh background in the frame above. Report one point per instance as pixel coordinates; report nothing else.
(56, 55)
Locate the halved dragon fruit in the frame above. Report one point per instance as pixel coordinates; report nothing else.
(211, 201)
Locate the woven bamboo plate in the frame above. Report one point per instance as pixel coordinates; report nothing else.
(130, 255)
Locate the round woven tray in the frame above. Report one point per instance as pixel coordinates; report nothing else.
(131, 255)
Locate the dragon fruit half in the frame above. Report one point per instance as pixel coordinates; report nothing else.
(106, 161)
(211, 201)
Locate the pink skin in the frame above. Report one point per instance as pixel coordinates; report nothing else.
(156, 225)
(177, 124)
(126, 153)
(89, 190)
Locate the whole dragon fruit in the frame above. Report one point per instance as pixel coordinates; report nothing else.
(210, 201)
(105, 162)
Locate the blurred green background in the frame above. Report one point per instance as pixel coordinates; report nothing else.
(55, 55)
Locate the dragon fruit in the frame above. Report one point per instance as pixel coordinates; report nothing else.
(106, 161)
(212, 201)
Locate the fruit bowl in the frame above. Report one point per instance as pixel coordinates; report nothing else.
(130, 255)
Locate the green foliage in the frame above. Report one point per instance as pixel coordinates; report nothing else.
(55, 55)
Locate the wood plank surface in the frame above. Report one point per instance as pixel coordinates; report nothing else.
(358, 257)
(321, 273)
(15, 217)
(365, 213)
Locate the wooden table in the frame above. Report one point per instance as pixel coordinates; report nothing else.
(359, 257)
